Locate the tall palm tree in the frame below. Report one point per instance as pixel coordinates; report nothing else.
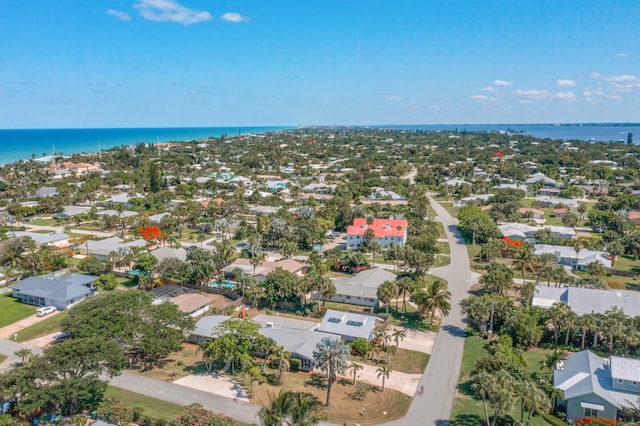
(281, 359)
(354, 367)
(386, 292)
(398, 335)
(555, 317)
(304, 410)
(404, 287)
(332, 357)
(434, 298)
(384, 372)
(278, 409)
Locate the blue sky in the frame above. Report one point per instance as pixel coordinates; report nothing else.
(147, 63)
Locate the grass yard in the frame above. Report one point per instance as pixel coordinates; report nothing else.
(627, 263)
(468, 411)
(187, 360)
(345, 307)
(440, 228)
(44, 327)
(153, 408)
(442, 260)
(411, 319)
(2, 358)
(47, 222)
(13, 310)
(405, 361)
(443, 248)
(378, 407)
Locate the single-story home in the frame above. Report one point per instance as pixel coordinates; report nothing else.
(71, 211)
(583, 300)
(360, 289)
(535, 213)
(164, 253)
(348, 325)
(204, 328)
(101, 249)
(540, 177)
(568, 256)
(483, 198)
(193, 304)
(522, 231)
(593, 386)
(549, 201)
(264, 269)
(60, 291)
(52, 240)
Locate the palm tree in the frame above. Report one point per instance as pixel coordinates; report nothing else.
(482, 385)
(387, 291)
(304, 410)
(585, 323)
(278, 409)
(354, 367)
(252, 374)
(281, 359)
(23, 353)
(434, 298)
(384, 372)
(328, 291)
(332, 357)
(555, 317)
(398, 335)
(404, 287)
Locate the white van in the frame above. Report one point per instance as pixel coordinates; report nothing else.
(46, 310)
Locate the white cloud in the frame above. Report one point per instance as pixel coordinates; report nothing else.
(526, 96)
(566, 83)
(393, 98)
(234, 17)
(620, 78)
(170, 11)
(596, 75)
(565, 96)
(483, 98)
(489, 89)
(502, 83)
(622, 54)
(120, 16)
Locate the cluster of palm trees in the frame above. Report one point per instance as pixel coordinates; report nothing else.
(431, 298)
(291, 409)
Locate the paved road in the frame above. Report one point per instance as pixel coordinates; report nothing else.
(182, 395)
(433, 406)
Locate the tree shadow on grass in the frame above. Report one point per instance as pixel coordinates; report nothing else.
(318, 381)
(462, 420)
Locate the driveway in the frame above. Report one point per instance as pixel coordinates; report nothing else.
(8, 331)
(402, 382)
(215, 383)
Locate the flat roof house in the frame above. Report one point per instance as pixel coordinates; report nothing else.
(50, 290)
(52, 240)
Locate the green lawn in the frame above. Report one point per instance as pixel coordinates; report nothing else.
(442, 260)
(627, 263)
(153, 408)
(411, 319)
(405, 360)
(467, 410)
(47, 222)
(443, 248)
(13, 310)
(47, 326)
(2, 358)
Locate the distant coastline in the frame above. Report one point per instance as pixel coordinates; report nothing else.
(24, 144)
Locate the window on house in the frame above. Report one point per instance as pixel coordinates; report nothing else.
(634, 383)
(590, 412)
(620, 381)
(347, 297)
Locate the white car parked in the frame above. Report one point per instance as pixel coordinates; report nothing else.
(46, 310)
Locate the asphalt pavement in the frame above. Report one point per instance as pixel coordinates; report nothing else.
(432, 405)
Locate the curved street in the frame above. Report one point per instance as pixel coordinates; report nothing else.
(433, 405)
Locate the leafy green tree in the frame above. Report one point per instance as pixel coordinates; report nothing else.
(332, 357)
(280, 358)
(497, 279)
(142, 330)
(106, 282)
(305, 410)
(93, 266)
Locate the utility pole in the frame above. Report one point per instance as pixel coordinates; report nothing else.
(490, 334)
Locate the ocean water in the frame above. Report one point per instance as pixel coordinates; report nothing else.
(605, 132)
(24, 144)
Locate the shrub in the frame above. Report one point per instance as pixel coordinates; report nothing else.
(360, 346)
(196, 415)
(137, 413)
(552, 420)
(295, 364)
(362, 389)
(113, 410)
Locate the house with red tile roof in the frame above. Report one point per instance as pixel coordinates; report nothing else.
(386, 231)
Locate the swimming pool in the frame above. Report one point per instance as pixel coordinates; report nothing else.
(227, 284)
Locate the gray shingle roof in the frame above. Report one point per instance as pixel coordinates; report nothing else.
(205, 325)
(279, 321)
(365, 284)
(63, 288)
(298, 342)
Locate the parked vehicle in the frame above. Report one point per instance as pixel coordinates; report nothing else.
(45, 310)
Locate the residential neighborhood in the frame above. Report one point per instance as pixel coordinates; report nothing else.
(197, 268)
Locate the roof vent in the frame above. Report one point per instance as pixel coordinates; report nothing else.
(269, 325)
